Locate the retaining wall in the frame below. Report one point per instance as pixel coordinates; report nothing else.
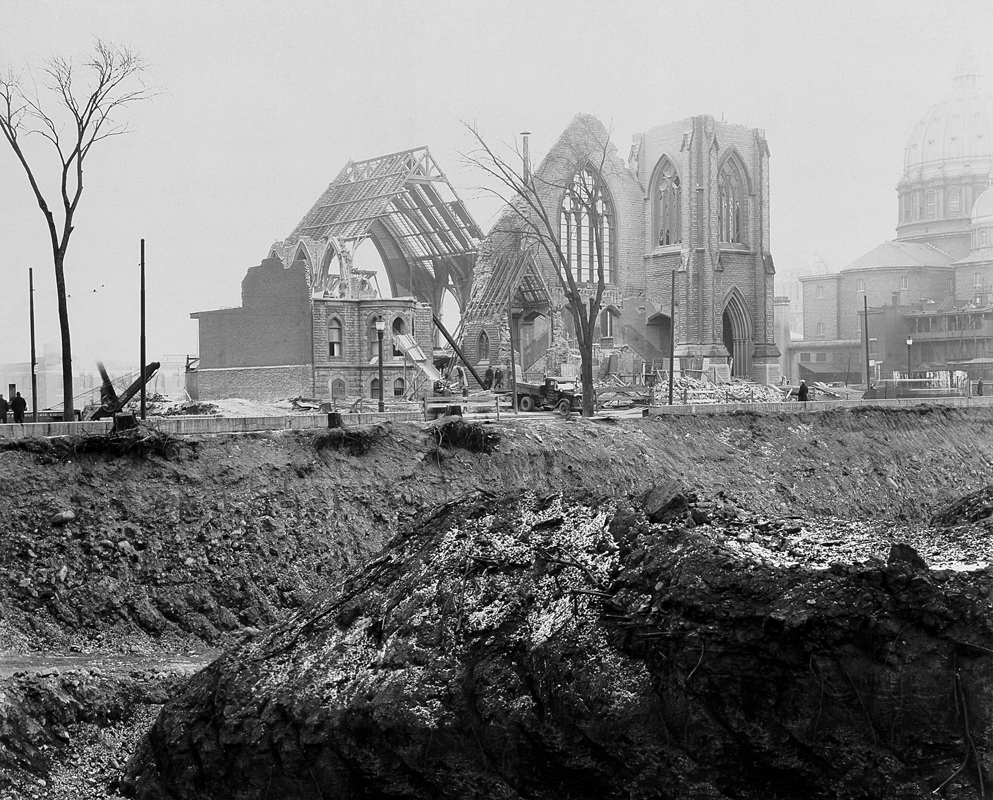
(206, 425)
(818, 405)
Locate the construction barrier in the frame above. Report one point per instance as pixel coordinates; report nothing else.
(476, 404)
(796, 407)
(193, 425)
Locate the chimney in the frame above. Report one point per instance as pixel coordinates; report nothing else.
(527, 159)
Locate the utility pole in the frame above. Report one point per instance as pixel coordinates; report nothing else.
(513, 360)
(865, 330)
(672, 334)
(34, 362)
(141, 365)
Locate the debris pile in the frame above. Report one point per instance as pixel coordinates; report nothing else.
(545, 646)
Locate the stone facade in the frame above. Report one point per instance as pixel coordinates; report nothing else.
(676, 179)
(277, 344)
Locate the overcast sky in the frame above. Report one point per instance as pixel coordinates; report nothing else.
(262, 103)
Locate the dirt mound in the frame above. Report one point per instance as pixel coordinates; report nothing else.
(545, 648)
(107, 553)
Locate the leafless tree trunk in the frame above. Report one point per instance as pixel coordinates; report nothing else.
(85, 100)
(532, 216)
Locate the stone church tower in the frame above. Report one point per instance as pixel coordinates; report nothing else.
(693, 200)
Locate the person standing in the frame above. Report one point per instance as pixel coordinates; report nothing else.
(979, 388)
(802, 393)
(17, 405)
(488, 379)
(4, 407)
(498, 378)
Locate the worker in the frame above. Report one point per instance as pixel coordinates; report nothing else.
(979, 388)
(498, 378)
(802, 393)
(463, 380)
(488, 378)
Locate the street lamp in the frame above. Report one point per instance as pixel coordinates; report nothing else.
(380, 328)
(910, 341)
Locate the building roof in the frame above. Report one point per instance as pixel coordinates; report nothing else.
(958, 127)
(902, 254)
(406, 204)
(982, 209)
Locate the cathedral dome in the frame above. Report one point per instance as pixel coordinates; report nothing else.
(982, 210)
(955, 129)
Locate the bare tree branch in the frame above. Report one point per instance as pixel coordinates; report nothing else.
(531, 218)
(85, 115)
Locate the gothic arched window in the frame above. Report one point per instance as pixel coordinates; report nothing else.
(398, 328)
(483, 347)
(587, 228)
(730, 199)
(668, 206)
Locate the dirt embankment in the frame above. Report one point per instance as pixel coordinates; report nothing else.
(230, 534)
(233, 530)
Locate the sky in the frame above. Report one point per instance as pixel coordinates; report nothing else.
(258, 106)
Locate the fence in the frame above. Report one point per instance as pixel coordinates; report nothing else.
(478, 404)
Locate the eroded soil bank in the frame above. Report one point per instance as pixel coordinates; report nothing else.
(231, 534)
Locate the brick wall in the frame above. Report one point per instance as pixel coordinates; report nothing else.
(821, 304)
(881, 283)
(258, 383)
(271, 328)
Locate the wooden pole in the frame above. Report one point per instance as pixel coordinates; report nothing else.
(34, 361)
(141, 364)
(865, 330)
(672, 334)
(513, 360)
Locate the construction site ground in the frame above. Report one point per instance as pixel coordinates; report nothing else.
(122, 573)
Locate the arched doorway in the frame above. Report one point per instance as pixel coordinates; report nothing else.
(736, 336)
(658, 336)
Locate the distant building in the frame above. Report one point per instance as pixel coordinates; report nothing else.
(933, 285)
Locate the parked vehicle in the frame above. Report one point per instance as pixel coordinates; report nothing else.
(555, 394)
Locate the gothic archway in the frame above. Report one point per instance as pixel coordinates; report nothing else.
(736, 335)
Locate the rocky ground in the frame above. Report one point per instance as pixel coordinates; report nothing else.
(222, 537)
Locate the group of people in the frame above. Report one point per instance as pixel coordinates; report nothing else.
(18, 405)
(493, 378)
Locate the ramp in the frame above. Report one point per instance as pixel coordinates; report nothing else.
(405, 342)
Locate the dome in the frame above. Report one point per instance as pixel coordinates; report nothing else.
(982, 209)
(955, 129)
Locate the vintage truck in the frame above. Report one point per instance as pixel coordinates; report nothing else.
(555, 394)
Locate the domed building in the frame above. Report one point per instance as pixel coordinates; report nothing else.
(947, 165)
(933, 285)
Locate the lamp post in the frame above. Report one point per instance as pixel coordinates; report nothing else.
(910, 341)
(380, 328)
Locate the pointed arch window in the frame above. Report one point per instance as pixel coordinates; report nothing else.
(587, 228)
(399, 327)
(399, 387)
(668, 206)
(730, 199)
(335, 338)
(483, 347)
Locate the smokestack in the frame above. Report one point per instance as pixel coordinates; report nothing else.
(527, 159)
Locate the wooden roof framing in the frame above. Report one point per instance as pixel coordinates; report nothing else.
(401, 192)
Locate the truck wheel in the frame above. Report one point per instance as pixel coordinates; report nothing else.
(564, 408)
(525, 403)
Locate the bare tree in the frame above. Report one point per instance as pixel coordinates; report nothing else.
(531, 220)
(85, 101)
